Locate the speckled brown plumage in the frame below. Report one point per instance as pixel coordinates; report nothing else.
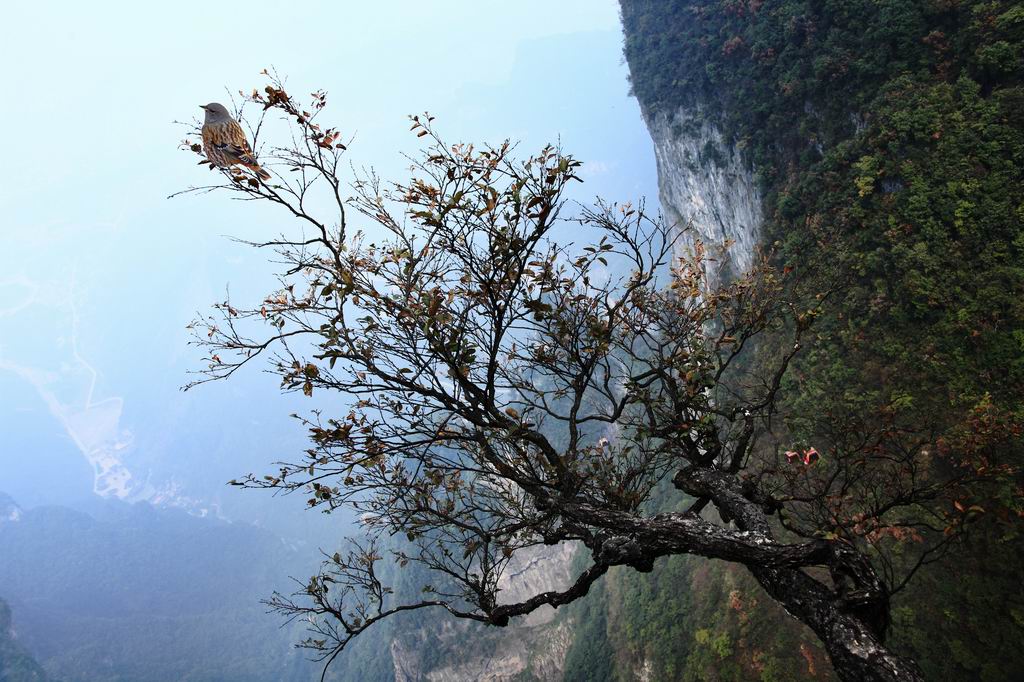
(224, 141)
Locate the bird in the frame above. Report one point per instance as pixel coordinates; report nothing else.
(224, 141)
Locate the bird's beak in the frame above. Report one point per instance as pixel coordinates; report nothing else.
(202, 106)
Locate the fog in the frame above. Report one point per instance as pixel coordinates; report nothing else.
(100, 272)
(123, 553)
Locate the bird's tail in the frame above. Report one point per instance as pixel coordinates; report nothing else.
(249, 161)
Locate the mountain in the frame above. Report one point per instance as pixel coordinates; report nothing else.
(877, 144)
(16, 665)
(134, 592)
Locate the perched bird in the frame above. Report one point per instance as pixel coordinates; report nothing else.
(224, 141)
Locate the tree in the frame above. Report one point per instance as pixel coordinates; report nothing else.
(509, 391)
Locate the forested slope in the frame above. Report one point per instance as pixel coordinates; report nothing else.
(887, 141)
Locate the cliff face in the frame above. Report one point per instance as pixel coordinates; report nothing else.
(705, 182)
(532, 648)
(522, 653)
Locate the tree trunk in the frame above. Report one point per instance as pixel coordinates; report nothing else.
(857, 651)
(850, 619)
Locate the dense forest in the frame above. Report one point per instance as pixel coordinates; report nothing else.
(887, 137)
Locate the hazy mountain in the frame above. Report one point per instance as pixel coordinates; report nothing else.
(133, 592)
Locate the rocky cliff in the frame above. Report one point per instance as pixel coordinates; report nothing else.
(532, 648)
(704, 181)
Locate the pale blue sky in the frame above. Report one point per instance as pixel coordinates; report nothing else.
(100, 273)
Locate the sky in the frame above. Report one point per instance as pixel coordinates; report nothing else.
(100, 272)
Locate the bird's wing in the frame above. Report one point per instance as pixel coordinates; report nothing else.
(236, 144)
(236, 136)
